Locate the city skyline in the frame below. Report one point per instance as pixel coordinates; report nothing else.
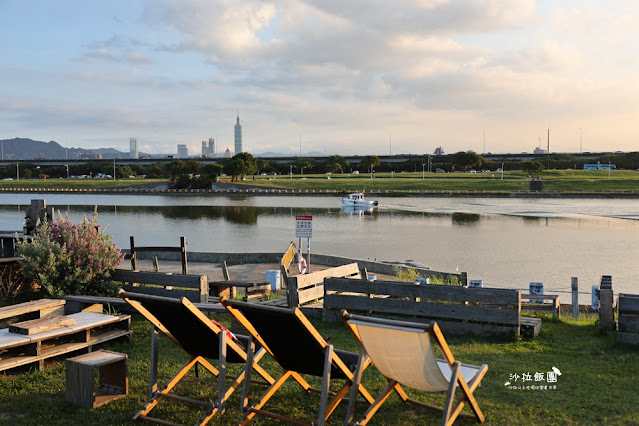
(487, 76)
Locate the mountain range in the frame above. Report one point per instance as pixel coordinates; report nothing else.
(29, 149)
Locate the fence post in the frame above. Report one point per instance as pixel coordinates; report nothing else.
(185, 266)
(133, 256)
(574, 284)
(606, 313)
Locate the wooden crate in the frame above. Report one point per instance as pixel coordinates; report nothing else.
(17, 350)
(111, 370)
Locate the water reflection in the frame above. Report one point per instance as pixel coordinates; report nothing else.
(465, 219)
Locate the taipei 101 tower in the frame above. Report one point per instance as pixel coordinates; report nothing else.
(238, 136)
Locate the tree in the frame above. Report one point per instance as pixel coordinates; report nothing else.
(241, 165)
(302, 163)
(466, 160)
(533, 167)
(369, 162)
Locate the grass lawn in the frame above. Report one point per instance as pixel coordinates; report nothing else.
(598, 383)
(553, 180)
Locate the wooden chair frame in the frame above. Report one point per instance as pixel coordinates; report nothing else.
(450, 411)
(331, 360)
(225, 344)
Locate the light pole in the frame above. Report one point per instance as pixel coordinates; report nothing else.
(484, 132)
(17, 171)
(581, 135)
(430, 164)
(502, 171)
(290, 173)
(423, 164)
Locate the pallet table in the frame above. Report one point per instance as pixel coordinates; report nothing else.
(17, 350)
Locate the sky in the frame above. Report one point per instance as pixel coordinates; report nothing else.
(340, 77)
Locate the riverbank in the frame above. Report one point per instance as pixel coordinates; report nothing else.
(235, 189)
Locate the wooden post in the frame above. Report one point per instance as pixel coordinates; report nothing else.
(225, 271)
(293, 295)
(606, 312)
(133, 256)
(575, 297)
(185, 266)
(154, 361)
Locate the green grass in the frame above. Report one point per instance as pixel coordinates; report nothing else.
(78, 183)
(553, 180)
(598, 384)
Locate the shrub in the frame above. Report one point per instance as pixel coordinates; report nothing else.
(70, 259)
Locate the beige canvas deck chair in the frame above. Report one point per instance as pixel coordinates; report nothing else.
(403, 353)
(290, 338)
(199, 337)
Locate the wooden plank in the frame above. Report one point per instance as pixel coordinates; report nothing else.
(480, 313)
(41, 325)
(628, 338)
(161, 249)
(350, 270)
(310, 294)
(47, 305)
(425, 291)
(160, 278)
(193, 296)
(628, 304)
(628, 323)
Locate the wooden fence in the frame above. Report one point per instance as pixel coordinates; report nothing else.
(457, 310)
(305, 288)
(628, 318)
(182, 250)
(193, 287)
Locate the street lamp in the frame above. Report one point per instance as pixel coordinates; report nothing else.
(423, 164)
(430, 164)
(502, 171)
(17, 171)
(581, 134)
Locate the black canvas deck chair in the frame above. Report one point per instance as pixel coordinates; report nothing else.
(290, 338)
(199, 337)
(403, 353)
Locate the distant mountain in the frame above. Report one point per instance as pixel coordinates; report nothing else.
(28, 149)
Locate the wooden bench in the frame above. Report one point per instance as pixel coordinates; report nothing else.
(193, 287)
(552, 305)
(303, 289)
(97, 303)
(628, 319)
(457, 310)
(32, 310)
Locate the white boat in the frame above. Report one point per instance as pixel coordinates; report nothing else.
(357, 200)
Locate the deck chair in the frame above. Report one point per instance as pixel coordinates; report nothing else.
(403, 353)
(199, 337)
(290, 338)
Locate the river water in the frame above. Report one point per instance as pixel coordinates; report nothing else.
(507, 243)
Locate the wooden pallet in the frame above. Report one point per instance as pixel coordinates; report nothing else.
(17, 350)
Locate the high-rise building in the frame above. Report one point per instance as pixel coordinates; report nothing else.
(183, 151)
(238, 135)
(205, 149)
(212, 148)
(133, 148)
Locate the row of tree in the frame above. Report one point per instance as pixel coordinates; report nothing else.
(195, 174)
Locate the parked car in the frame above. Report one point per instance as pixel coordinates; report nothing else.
(472, 171)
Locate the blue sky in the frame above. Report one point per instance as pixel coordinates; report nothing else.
(356, 77)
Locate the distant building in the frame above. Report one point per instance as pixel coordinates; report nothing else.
(133, 148)
(205, 149)
(439, 151)
(238, 136)
(227, 153)
(182, 151)
(212, 148)
(540, 151)
(599, 166)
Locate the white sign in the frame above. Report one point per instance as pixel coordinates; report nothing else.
(303, 226)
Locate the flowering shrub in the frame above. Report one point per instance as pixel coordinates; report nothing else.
(70, 259)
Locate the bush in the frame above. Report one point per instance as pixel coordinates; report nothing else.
(70, 259)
